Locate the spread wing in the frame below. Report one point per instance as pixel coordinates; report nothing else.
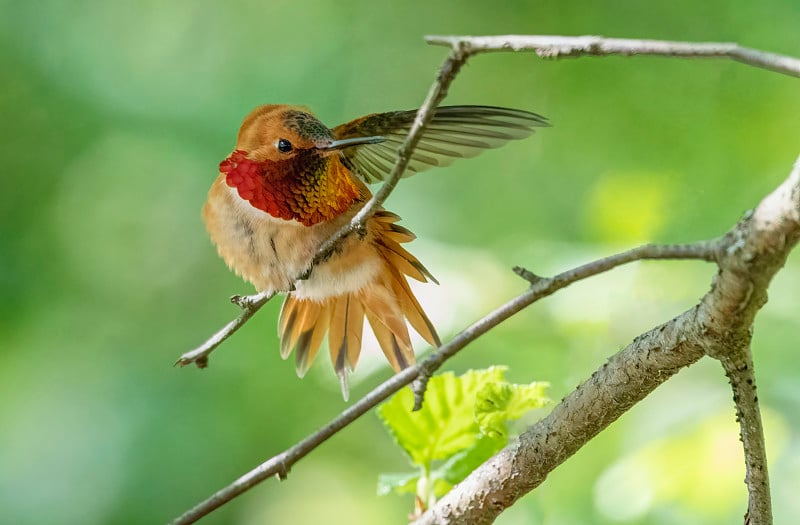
(454, 132)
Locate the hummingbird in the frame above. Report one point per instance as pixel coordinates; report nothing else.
(291, 182)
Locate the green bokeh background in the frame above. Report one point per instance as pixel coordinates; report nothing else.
(114, 117)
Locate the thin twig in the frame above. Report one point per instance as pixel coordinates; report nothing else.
(249, 304)
(436, 93)
(252, 303)
(419, 386)
(526, 274)
(547, 46)
(280, 464)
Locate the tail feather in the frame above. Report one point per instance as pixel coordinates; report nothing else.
(310, 340)
(398, 352)
(337, 336)
(387, 303)
(399, 263)
(346, 328)
(389, 245)
(302, 315)
(404, 265)
(286, 318)
(354, 331)
(413, 311)
(397, 233)
(389, 325)
(399, 258)
(400, 234)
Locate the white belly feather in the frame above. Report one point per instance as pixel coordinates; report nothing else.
(271, 252)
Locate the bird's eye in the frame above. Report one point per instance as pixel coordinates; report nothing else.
(284, 146)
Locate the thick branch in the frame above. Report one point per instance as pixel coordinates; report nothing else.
(281, 464)
(741, 290)
(624, 380)
(749, 256)
(576, 46)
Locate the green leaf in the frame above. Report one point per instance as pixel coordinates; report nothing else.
(398, 482)
(461, 464)
(441, 487)
(499, 402)
(446, 424)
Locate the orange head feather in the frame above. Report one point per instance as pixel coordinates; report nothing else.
(285, 165)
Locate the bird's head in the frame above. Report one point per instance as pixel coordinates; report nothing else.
(287, 163)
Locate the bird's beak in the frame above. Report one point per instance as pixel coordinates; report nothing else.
(347, 143)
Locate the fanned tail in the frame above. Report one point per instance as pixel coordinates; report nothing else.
(387, 303)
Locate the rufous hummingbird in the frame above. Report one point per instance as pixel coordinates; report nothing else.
(291, 182)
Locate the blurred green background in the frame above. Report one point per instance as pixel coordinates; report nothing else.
(114, 117)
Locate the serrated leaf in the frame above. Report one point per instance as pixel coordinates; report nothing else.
(397, 482)
(446, 424)
(499, 402)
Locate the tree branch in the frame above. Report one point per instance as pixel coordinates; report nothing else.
(742, 377)
(249, 304)
(773, 228)
(281, 463)
(719, 326)
(577, 46)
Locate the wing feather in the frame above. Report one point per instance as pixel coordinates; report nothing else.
(454, 132)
